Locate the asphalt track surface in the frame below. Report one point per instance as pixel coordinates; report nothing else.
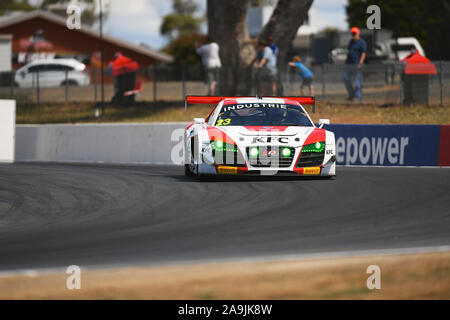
(55, 215)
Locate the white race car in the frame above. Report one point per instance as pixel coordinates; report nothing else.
(256, 135)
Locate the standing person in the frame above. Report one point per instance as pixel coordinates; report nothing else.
(305, 74)
(355, 58)
(211, 62)
(266, 63)
(274, 48)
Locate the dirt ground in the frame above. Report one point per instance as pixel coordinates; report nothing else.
(409, 276)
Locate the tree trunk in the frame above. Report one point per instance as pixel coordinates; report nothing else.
(283, 25)
(227, 26)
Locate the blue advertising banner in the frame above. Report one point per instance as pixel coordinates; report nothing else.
(386, 145)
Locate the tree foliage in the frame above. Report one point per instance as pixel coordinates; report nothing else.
(184, 7)
(425, 20)
(182, 28)
(15, 5)
(183, 49)
(181, 22)
(88, 15)
(176, 25)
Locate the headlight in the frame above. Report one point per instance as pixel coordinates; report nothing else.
(314, 147)
(254, 152)
(221, 146)
(286, 152)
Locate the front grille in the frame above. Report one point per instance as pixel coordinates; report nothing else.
(229, 158)
(310, 159)
(270, 156)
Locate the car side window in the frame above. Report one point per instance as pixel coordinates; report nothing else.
(54, 67)
(33, 69)
(59, 67)
(66, 68)
(38, 68)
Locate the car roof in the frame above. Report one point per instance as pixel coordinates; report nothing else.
(214, 113)
(71, 62)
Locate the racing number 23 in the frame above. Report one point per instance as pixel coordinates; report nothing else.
(223, 122)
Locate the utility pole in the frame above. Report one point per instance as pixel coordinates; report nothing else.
(102, 59)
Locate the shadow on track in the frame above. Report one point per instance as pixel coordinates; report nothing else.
(248, 178)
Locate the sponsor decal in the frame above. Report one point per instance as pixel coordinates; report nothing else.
(226, 170)
(206, 148)
(270, 139)
(263, 129)
(253, 105)
(223, 122)
(311, 171)
(270, 153)
(386, 145)
(373, 150)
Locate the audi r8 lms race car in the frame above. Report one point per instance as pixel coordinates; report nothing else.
(270, 135)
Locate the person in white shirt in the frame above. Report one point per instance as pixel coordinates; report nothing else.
(211, 61)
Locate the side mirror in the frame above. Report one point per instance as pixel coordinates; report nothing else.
(323, 121)
(22, 74)
(199, 120)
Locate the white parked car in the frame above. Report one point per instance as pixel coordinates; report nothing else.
(338, 55)
(388, 49)
(403, 46)
(52, 73)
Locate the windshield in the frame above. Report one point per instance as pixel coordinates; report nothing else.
(403, 47)
(262, 114)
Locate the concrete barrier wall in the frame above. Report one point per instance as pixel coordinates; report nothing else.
(110, 143)
(7, 130)
(162, 143)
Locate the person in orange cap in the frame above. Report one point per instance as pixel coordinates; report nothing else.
(355, 58)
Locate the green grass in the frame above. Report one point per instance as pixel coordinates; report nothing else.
(82, 112)
(21, 99)
(173, 111)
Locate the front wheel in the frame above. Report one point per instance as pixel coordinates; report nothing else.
(187, 171)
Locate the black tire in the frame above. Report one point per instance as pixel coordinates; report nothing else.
(187, 168)
(187, 171)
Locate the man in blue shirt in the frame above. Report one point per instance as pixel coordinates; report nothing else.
(355, 58)
(306, 75)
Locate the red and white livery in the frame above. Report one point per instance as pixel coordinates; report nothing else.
(258, 135)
